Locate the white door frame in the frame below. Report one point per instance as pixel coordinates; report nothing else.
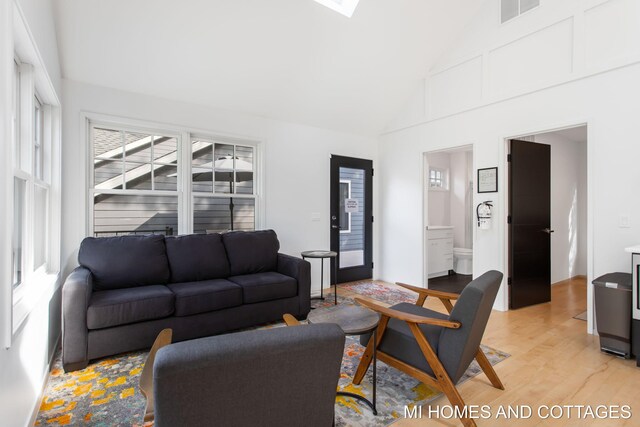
(590, 206)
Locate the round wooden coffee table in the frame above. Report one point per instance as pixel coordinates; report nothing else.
(353, 320)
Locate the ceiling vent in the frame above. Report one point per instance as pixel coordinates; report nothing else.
(513, 8)
(345, 7)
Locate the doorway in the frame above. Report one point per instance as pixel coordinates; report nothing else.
(547, 213)
(351, 218)
(449, 232)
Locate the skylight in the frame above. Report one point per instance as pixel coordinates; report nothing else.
(345, 7)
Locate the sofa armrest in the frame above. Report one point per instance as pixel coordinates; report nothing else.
(300, 270)
(76, 293)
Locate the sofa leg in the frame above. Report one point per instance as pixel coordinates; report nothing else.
(76, 366)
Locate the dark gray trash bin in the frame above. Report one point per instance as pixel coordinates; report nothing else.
(613, 313)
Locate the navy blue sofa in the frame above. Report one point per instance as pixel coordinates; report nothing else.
(128, 288)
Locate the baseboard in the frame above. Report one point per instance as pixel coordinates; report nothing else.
(36, 409)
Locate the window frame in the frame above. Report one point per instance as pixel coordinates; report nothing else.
(184, 192)
(444, 180)
(347, 230)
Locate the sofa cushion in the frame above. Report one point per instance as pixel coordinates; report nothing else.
(204, 296)
(122, 306)
(266, 286)
(251, 252)
(125, 261)
(197, 257)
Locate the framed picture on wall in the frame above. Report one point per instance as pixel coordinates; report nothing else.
(488, 180)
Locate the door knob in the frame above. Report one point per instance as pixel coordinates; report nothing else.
(548, 230)
(335, 226)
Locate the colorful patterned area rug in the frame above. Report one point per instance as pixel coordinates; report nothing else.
(106, 392)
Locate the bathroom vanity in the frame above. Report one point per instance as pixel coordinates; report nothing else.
(440, 250)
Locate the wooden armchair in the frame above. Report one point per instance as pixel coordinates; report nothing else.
(432, 347)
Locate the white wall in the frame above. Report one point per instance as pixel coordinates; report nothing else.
(568, 206)
(439, 200)
(593, 60)
(296, 163)
(25, 365)
(458, 190)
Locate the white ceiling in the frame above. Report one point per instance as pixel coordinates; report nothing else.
(293, 60)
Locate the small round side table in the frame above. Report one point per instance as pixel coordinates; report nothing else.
(353, 320)
(322, 255)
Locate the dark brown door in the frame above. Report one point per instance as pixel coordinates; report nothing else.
(529, 224)
(351, 218)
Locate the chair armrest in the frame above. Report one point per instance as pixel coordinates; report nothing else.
(408, 317)
(300, 270)
(430, 292)
(76, 293)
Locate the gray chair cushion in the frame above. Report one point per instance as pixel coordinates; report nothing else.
(125, 261)
(122, 306)
(266, 286)
(399, 341)
(251, 252)
(197, 257)
(205, 296)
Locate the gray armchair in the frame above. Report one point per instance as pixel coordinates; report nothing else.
(274, 377)
(433, 347)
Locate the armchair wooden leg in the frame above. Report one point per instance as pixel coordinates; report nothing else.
(367, 356)
(146, 377)
(488, 370)
(444, 381)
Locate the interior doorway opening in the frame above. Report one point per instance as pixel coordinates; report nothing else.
(448, 217)
(531, 273)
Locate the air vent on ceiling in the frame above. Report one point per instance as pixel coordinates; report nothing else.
(512, 8)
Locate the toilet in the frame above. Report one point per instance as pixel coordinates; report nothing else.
(463, 260)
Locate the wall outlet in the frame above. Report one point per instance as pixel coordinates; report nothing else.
(624, 221)
(315, 216)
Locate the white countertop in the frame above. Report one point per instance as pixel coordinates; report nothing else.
(439, 227)
(633, 249)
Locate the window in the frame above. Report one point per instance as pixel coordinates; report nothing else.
(513, 8)
(135, 182)
(222, 179)
(345, 217)
(438, 179)
(140, 185)
(32, 141)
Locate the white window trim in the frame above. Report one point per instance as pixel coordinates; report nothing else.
(184, 191)
(37, 285)
(348, 182)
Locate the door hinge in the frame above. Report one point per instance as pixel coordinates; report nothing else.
(508, 280)
(371, 218)
(508, 157)
(372, 171)
(372, 265)
(508, 219)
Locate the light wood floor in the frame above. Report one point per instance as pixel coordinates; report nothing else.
(553, 362)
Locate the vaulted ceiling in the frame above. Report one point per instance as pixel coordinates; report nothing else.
(293, 60)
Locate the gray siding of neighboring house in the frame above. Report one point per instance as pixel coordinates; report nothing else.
(141, 214)
(354, 240)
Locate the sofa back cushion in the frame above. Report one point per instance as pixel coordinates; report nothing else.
(197, 257)
(125, 261)
(252, 252)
